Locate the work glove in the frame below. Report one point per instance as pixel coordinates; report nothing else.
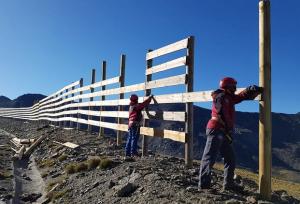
(254, 88)
(253, 91)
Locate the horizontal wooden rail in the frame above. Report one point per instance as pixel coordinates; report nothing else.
(154, 115)
(169, 81)
(182, 44)
(61, 90)
(169, 134)
(167, 65)
(85, 88)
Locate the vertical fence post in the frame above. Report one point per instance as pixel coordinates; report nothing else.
(121, 96)
(71, 102)
(101, 129)
(57, 121)
(147, 93)
(60, 122)
(265, 117)
(65, 115)
(80, 100)
(189, 106)
(91, 98)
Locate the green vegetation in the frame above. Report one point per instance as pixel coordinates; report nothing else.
(291, 188)
(62, 157)
(45, 174)
(106, 163)
(93, 163)
(56, 194)
(88, 165)
(81, 167)
(46, 163)
(5, 175)
(70, 169)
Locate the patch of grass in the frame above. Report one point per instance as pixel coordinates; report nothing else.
(93, 163)
(50, 185)
(46, 163)
(62, 157)
(5, 175)
(70, 169)
(106, 163)
(291, 188)
(81, 167)
(45, 174)
(56, 194)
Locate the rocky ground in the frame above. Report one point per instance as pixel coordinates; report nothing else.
(96, 172)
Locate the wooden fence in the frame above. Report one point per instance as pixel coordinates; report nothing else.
(75, 104)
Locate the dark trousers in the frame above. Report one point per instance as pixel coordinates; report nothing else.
(131, 148)
(216, 143)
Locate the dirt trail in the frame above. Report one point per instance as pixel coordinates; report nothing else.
(28, 182)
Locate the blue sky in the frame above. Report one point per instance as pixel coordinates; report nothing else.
(45, 45)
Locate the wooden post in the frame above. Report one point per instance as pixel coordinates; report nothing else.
(189, 106)
(121, 96)
(60, 122)
(65, 122)
(91, 99)
(80, 100)
(56, 122)
(101, 129)
(265, 117)
(147, 93)
(71, 122)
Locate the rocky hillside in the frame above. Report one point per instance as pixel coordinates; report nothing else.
(285, 140)
(25, 100)
(96, 172)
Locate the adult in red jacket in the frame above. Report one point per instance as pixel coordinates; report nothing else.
(134, 123)
(219, 132)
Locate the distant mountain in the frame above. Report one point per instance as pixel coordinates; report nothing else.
(285, 138)
(5, 102)
(25, 100)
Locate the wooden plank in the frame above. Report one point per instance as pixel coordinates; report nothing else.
(169, 81)
(181, 61)
(34, 145)
(67, 144)
(66, 87)
(182, 44)
(167, 134)
(201, 96)
(153, 115)
(156, 132)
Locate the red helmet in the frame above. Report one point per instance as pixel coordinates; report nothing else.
(227, 82)
(134, 98)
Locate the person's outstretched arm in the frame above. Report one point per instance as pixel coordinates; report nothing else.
(249, 93)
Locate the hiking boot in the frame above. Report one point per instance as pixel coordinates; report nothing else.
(233, 187)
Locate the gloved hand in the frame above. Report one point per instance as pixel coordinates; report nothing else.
(253, 91)
(254, 88)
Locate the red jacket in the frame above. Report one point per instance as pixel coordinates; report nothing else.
(135, 112)
(223, 110)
